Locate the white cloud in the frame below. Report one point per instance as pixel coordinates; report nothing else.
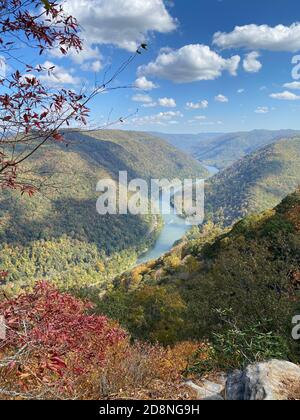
(94, 66)
(200, 117)
(157, 119)
(87, 53)
(124, 23)
(200, 105)
(278, 38)
(144, 84)
(285, 96)
(190, 63)
(146, 99)
(292, 85)
(211, 123)
(58, 75)
(3, 66)
(251, 63)
(221, 98)
(241, 91)
(167, 102)
(262, 110)
(150, 105)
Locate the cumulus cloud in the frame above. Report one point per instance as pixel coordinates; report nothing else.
(262, 110)
(157, 119)
(198, 105)
(146, 99)
(190, 63)
(292, 85)
(251, 63)
(278, 38)
(167, 102)
(56, 75)
(144, 84)
(285, 96)
(124, 23)
(241, 91)
(221, 98)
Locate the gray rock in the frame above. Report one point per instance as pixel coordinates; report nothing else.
(208, 390)
(270, 381)
(235, 386)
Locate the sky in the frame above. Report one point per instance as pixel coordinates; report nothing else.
(211, 65)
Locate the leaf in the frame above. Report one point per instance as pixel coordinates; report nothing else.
(46, 4)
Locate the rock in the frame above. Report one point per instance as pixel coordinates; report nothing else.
(270, 381)
(235, 386)
(208, 390)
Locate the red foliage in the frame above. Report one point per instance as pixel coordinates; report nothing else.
(48, 26)
(27, 106)
(59, 341)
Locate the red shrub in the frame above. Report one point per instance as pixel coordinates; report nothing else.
(52, 340)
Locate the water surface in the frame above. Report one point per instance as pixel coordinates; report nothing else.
(174, 229)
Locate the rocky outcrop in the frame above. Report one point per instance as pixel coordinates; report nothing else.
(270, 381)
(274, 380)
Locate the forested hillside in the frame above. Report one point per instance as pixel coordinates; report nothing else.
(142, 155)
(57, 233)
(225, 150)
(222, 150)
(239, 289)
(188, 142)
(255, 183)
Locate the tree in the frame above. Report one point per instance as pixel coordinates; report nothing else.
(31, 114)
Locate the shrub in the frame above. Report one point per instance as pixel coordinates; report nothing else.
(134, 371)
(52, 344)
(235, 349)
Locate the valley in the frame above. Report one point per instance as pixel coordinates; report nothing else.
(185, 290)
(223, 149)
(58, 235)
(149, 203)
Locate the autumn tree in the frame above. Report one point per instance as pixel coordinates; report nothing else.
(31, 114)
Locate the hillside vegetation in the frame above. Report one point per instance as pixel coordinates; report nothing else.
(141, 154)
(227, 149)
(239, 289)
(188, 142)
(58, 234)
(255, 183)
(222, 150)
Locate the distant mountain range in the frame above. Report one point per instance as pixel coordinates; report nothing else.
(222, 150)
(187, 142)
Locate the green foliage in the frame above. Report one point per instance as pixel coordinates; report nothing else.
(235, 349)
(254, 184)
(67, 263)
(151, 313)
(251, 270)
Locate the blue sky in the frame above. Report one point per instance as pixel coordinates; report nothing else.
(192, 78)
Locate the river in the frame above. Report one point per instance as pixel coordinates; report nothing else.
(174, 229)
